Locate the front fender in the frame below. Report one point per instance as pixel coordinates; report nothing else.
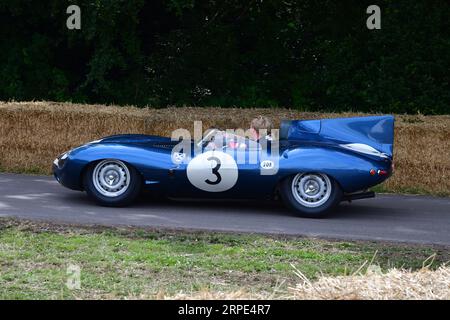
(148, 162)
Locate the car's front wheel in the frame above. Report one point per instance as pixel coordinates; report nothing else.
(311, 195)
(112, 183)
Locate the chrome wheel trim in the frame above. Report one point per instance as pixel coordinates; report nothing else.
(111, 178)
(311, 189)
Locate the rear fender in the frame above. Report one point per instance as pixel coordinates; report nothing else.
(352, 172)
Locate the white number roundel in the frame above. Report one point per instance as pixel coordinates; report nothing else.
(213, 171)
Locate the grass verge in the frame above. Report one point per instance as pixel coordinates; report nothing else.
(120, 263)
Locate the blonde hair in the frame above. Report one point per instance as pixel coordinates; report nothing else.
(261, 122)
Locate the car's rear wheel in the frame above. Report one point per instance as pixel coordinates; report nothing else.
(112, 183)
(311, 195)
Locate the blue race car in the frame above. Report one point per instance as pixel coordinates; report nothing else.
(312, 165)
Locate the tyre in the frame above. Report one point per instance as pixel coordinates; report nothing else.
(311, 195)
(112, 183)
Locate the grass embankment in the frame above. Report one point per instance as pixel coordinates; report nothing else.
(131, 263)
(33, 134)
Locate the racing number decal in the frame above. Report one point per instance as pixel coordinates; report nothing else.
(213, 171)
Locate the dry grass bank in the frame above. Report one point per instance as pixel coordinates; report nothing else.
(33, 133)
(396, 284)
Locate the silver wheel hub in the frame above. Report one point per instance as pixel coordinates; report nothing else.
(111, 178)
(311, 189)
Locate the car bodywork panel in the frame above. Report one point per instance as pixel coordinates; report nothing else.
(375, 131)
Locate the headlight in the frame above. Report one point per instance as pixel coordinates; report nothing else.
(59, 162)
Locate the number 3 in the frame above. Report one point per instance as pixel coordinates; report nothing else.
(215, 171)
(212, 171)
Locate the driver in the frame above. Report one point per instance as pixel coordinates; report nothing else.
(260, 126)
(220, 139)
(216, 140)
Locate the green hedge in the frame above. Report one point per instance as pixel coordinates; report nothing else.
(312, 55)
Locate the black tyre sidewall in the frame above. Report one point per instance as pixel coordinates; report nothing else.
(319, 212)
(124, 199)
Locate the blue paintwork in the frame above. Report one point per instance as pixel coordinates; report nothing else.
(311, 146)
(377, 131)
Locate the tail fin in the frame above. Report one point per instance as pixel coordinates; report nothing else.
(376, 131)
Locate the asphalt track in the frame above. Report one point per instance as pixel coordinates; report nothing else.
(397, 218)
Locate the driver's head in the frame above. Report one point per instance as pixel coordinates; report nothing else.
(215, 139)
(258, 124)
